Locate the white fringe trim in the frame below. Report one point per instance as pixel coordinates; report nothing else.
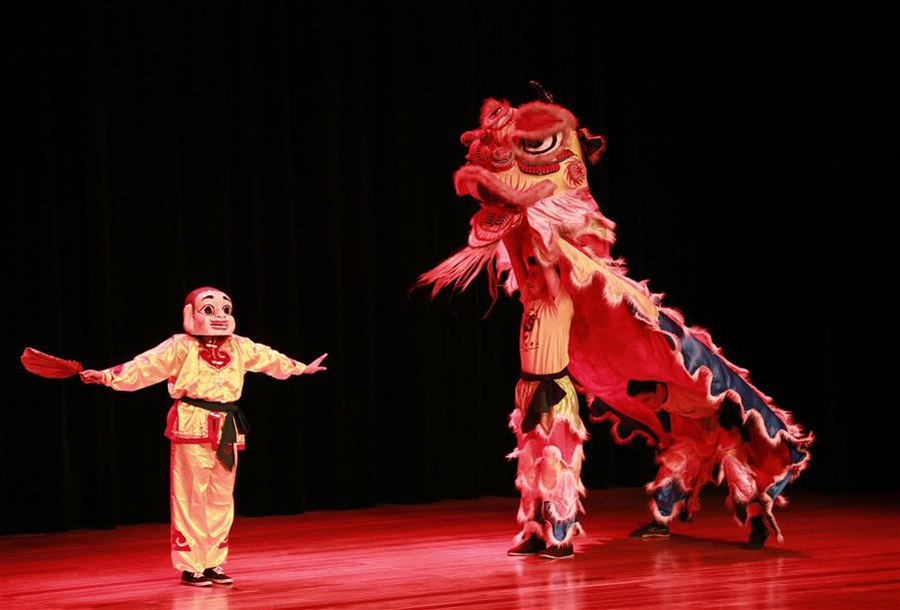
(574, 530)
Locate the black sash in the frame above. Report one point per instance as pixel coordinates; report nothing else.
(546, 396)
(235, 422)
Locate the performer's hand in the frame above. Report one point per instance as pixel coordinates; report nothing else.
(313, 367)
(91, 376)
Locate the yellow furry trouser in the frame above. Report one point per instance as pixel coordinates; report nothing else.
(202, 507)
(549, 466)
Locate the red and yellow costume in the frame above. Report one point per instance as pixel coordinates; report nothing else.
(209, 370)
(639, 364)
(549, 436)
(205, 371)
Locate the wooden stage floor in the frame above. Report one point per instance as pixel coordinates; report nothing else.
(839, 553)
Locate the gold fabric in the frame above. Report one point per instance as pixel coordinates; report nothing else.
(548, 473)
(202, 507)
(202, 499)
(616, 285)
(177, 360)
(549, 456)
(544, 335)
(566, 409)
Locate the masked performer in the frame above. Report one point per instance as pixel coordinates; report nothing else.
(205, 372)
(640, 366)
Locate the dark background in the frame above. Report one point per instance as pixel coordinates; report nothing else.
(300, 158)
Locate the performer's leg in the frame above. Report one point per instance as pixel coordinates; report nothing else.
(679, 470)
(219, 513)
(744, 497)
(529, 448)
(191, 471)
(561, 482)
(549, 472)
(560, 474)
(674, 490)
(529, 454)
(561, 490)
(741, 482)
(530, 514)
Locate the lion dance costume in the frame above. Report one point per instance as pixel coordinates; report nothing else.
(639, 365)
(205, 373)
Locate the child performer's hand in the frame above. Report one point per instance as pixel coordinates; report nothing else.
(91, 376)
(313, 367)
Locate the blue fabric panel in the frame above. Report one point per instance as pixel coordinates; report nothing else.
(666, 498)
(776, 488)
(696, 354)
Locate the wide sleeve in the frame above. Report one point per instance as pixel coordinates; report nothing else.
(259, 358)
(153, 366)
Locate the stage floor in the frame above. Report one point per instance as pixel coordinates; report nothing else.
(838, 553)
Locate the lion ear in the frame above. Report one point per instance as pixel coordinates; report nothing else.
(188, 320)
(592, 146)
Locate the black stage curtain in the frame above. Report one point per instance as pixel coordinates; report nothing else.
(299, 156)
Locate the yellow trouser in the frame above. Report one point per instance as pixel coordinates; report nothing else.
(549, 466)
(202, 507)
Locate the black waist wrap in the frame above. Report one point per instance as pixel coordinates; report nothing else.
(235, 422)
(546, 395)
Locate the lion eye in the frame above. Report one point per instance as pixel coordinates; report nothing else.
(539, 147)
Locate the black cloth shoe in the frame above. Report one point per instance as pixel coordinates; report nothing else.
(759, 533)
(563, 551)
(195, 579)
(530, 547)
(217, 576)
(651, 530)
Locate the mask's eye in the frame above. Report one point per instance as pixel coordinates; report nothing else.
(227, 310)
(539, 147)
(208, 310)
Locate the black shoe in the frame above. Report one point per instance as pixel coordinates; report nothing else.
(651, 530)
(563, 551)
(530, 547)
(195, 579)
(218, 576)
(759, 533)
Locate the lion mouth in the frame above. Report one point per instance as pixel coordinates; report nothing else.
(484, 186)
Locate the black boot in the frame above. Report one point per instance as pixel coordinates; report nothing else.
(195, 579)
(218, 576)
(531, 546)
(562, 551)
(651, 530)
